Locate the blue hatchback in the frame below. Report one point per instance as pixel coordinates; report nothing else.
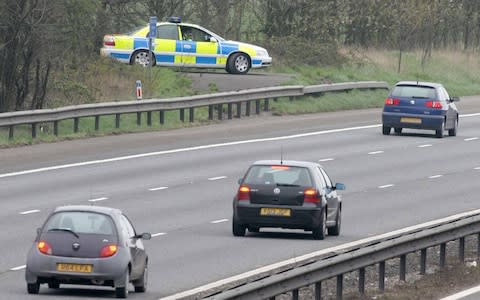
(420, 105)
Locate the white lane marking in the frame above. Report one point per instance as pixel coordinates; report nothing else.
(326, 159)
(425, 146)
(375, 152)
(463, 294)
(18, 268)
(435, 176)
(470, 115)
(158, 188)
(385, 186)
(471, 139)
(217, 178)
(477, 168)
(203, 147)
(188, 149)
(158, 234)
(311, 255)
(27, 212)
(98, 199)
(219, 221)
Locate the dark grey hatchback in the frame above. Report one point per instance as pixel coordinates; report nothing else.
(88, 245)
(287, 194)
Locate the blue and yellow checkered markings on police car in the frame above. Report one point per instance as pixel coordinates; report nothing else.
(118, 55)
(227, 48)
(140, 43)
(206, 60)
(166, 51)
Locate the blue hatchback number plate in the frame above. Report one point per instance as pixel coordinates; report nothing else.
(411, 120)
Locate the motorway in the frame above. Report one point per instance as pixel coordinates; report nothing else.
(179, 185)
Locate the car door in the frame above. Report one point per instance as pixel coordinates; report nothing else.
(198, 50)
(135, 246)
(167, 46)
(331, 196)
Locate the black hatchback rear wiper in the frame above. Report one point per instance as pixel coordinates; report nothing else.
(66, 230)
(287, 184)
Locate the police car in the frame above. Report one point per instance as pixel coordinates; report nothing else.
(184, 45)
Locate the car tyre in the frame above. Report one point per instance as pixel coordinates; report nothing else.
(398, 130)
(238, 229)
(33, 288)
(142, 58)
(386, 130)
(320, 232)
(122, 292)
(54, 285)
(335, 230)
(453, 131)
(439, 132)
(238, 63)
(141, 284)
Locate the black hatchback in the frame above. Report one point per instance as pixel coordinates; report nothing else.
(287, 194)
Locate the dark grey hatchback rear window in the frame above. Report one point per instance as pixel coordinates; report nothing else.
(413, 91)
(274, 175)
(81, 222)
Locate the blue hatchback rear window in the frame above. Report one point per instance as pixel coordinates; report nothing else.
(413, 91)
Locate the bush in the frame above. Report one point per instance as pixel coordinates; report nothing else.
(292, 50)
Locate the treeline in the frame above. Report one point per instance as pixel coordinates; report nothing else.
(39, 38)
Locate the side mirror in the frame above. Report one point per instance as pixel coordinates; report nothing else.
(455, 99)
(213, 40)
(340, 186)
(240, 181)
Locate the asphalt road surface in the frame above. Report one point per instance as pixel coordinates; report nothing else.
(179, 185)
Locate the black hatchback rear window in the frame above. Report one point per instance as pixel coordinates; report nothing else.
(279, 175)
(81, 222)
(413, 91)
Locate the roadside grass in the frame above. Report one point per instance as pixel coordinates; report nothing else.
(128, 124)
(456, 70)
(103, 80)
(355, 99)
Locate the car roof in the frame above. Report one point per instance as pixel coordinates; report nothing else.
(291, 163)
(420, 83)
(89, 208)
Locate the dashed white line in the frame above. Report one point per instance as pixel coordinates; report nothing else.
(435, 176)
(425, 146)
(27, 212)
(219, 221)
(98, 199)
(375, 152)
(471, 139)
(385, 186)
(158, 188)
(477, 168)
(326, 159)
(217, 178)
(18, 268)
(158, 234)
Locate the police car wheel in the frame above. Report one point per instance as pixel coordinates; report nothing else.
(238, 63)
(141, 58)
